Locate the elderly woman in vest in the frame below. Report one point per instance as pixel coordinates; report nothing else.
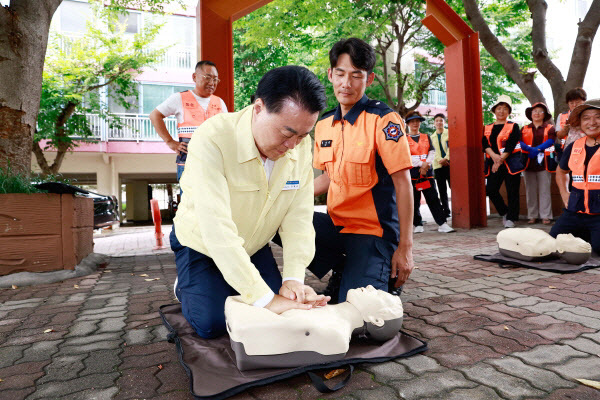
(538, 141)
(504, 161)
(582, 158)
(422, 154)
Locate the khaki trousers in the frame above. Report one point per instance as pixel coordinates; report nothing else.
(537, 189)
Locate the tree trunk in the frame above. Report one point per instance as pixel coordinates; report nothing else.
(24, 28)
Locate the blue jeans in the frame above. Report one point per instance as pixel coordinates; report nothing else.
(362, 259)
(202, 289)
(584, 226)
(179, 171)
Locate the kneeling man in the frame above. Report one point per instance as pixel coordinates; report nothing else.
(249, 176)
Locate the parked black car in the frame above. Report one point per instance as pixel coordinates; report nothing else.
(106, 208)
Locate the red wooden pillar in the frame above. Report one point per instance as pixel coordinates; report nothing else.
(465, 115)
(215, 37)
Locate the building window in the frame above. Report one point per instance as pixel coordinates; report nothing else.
(73, 16)
(131, 21)
(153, 95)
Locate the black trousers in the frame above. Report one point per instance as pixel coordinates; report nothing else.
(433, 202)
(512, 184)
(442, 178)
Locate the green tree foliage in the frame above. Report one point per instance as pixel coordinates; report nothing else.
(302, 32)
(76, 70)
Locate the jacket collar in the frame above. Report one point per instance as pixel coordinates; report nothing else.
(246, 147)
(354, 112)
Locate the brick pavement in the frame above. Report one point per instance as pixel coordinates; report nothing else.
(493, 333)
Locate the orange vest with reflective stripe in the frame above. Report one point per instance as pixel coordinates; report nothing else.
(586, 183)
(527, 133)
(501, 141)
(194, 115)
(420, 149)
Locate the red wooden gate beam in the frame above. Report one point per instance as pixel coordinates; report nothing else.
(214, 31)
(465, 115)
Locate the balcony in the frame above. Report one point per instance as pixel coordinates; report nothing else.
(135, 127)
(175, 57)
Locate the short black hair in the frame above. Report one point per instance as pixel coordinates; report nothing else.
(439, 115)
(205, 62)
(576, 94)
(361, 53)
(293, 83)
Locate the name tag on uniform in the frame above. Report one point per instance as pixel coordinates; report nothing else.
(325, 143)
(291, 185)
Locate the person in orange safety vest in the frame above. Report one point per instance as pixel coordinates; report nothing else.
(422, 154)
(581, 217)
(538, 142)
(504, 161)
(191, 108)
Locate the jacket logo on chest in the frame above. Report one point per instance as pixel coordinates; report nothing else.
(326, 143)
(577, 150)
(392, 132)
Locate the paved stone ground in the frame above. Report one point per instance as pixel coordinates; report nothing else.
(493, 333)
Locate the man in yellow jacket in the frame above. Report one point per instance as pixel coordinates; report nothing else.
(249, 176)
(441, 162)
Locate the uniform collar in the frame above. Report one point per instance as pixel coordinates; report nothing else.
(246, 146)
(354, 112)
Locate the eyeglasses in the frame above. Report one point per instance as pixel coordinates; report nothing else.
(210, 78)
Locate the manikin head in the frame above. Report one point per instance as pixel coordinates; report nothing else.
(380, 310)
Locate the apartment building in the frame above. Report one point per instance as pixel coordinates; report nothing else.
(129, 162)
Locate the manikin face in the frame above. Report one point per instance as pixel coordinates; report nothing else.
(277, 132)
(206, 79)
(349, 82)
(414, 125)
(537, 115)
(439, 123)
(590, 122)
(574, 103)
(501, 112)
(375, 305)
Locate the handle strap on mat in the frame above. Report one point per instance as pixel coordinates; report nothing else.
(320, 385)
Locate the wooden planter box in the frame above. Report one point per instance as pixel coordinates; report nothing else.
(44, 232)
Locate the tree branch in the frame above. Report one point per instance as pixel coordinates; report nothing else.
(583, 46)
(545, 65)
(524, 80)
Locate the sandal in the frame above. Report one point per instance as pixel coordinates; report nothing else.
(531, 221)
(546, 221)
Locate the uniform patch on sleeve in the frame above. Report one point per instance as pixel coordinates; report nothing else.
(392, 132)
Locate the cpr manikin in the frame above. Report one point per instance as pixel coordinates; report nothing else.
(263, 339)
(529, 244)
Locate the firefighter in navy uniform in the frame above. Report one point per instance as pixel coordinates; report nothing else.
(366, 237)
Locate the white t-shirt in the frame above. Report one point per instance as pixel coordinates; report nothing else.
(173, 106)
